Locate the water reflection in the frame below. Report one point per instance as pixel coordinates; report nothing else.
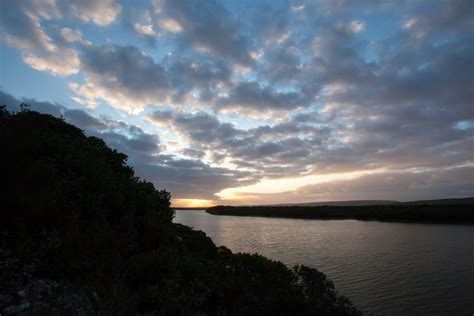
(383, 267)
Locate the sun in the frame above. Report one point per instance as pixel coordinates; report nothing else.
(176, 203)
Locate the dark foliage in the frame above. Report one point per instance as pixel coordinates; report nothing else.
(457, 214)
(73, 212)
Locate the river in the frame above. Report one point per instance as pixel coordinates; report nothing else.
(384, 268)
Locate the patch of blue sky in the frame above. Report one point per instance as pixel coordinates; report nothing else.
(248, 76)
(464, 125)
(97, 35)
(379, 27)
(244, 123)
(22, 81)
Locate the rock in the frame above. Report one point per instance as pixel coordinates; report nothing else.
(11, 310)
(23, 294)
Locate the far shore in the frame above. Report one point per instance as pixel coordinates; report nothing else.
(438, 214)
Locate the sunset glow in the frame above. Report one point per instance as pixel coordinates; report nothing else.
(177, 203)
(289, 184)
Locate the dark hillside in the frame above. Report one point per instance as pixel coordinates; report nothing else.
(459, 201)
(81, 235)
(456, 201)
(342, 203)
(425, 213)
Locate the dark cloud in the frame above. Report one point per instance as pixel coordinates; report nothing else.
(430, 184)
(445, 17)
(137, 146)
(194, 153)
(199, 128)
(252, 95)
(189, 179)
(15, 24)
(207, 25)
(283, 64)
(13, 104)
(262, 149)
(129, 79)
(84, 120)
(125, 69)
(186, 75)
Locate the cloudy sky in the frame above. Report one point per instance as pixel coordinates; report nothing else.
(243, 102)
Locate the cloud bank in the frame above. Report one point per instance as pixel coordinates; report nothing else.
(226, 96)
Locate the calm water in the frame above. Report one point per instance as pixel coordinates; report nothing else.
(385, 268)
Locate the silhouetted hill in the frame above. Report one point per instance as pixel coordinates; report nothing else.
(458, 201)
(80, 234)
(341, 203)
(459, 211)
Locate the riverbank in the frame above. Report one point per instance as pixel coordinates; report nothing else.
(453, 214)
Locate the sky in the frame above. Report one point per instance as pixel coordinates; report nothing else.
(258, 102)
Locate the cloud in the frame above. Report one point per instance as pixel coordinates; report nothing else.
(202, 77)
(357, 26)
(129, 79)
(274, 90)
(291, 184)
(189, 178)
(253, 96)
(431, 184)
(123, 76)
(102, 12)
(144, 29)
(260, 149)
(62, 65)
(283, 64)
(201, 128)
(376, 186)
(136, 17)
(170, 25)
(445, 17)
(207, 26)
(72, 36)
(21, 28)
(84, 120)
(13, 104)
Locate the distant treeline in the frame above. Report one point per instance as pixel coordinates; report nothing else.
(390, 213)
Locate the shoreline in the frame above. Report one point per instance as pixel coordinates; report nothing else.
(419, 214)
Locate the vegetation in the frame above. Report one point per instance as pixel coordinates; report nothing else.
(73, 212)
(442, 213)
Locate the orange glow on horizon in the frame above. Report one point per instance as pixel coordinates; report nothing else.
(285, 185)
(177, 203)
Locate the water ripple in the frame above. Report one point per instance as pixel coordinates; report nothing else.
(385, 268)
